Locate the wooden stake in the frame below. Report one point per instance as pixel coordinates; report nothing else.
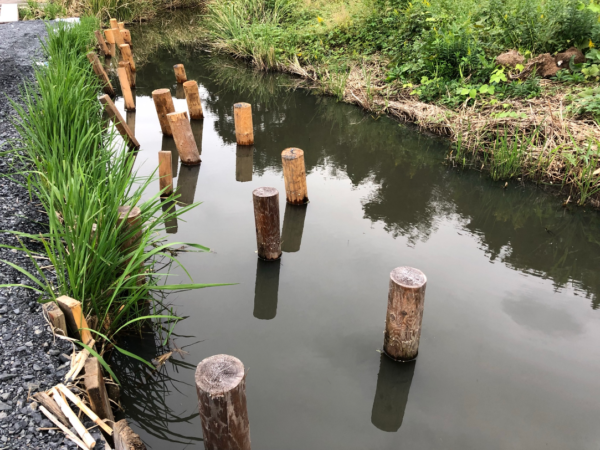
(83, 407)
(101, 73)
(184, 138)
(114, 23)
(103, 47)
(125, 89)
(118, 37)
(74, 318)
(126, 37)
(130, 74)
(164, 105)
(56, 318)
(109, 36)
(64, 429)
(266, 217)
(293, 227)
(168, 145)
(244, 160)
(127, 55)
(404, 313)
(121, 26)
(294, 175)
(221, 387)
(242, 116)
(96, 389)
(47, 402)
(113, 50)
(81, 430)
(165, 173)
(132, 228)
(119, 122)
(125, 438)
(192, 97)
(180, 73)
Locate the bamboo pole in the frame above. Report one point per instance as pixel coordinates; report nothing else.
(163, 103)
(242, 116)
(165, 173)
(119, 122)
(180, 75)
(127, 55)
(83, 407)
(294, 175)
(404, 313)
(102, 43)
(184, 138)
(101, 73)
(192, 97)
(126, 89)
(81, 430)
(126, 37)
(64, 429)
(266, 217)
(108, 33)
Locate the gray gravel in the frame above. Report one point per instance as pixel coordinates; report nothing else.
(29, 355)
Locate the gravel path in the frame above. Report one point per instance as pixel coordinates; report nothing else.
(30, 357)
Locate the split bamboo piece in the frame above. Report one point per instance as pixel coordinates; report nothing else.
(121, 25)
(163, 102)
(101, 73)
(125, 88)
(109, 36)
(75, 318)
(294, 175)
(126, 37)
(119, 122)
(192, 97)
(118, 37)
(242, 116)
(127, 55)
(83, 407)
(101, 43)
(64, 429)
(184, 138)
(180, 75)
(81, 430)
(114, 23)
(165, 172)
(266, 217)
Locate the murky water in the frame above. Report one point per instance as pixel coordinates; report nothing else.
(509, 355)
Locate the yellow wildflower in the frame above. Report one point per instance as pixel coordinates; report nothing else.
(319, 19)
(591, 44)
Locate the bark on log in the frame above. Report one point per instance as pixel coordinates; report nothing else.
(266, 217)
(75, 318)
(242, 116)
(180, 75)
(119, 122)
(244, 162)
(126, 89)
(125, 438)
(184, 138)
(221, 387)
(163, 103)
(96, 389)
(56, 318)
(404, 313)
(127, 55)
(192, 96)
(101, 73)
(165, 173)
(103, 47)
(294, 175)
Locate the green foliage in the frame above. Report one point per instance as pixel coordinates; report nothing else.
(48, 11)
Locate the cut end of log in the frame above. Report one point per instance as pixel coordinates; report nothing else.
(265, 192)
(242, 105)
(160, 92)
(292, 153)
(128, 212)
(408, 277)
(219, 374)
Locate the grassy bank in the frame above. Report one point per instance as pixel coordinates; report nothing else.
(80, 172)
(434, 63)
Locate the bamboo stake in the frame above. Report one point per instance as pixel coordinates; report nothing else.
(125, 88)
(101, 43)
(64, 429)
(81, 430)
(82, 406)
(127, 55)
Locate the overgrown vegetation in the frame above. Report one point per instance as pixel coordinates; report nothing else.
(79, 173)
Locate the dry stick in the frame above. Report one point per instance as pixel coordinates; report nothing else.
(294, 175)
(163, 102)
(242, 116)
(118, 37)
(82, 406)
(184, 139)
(64, 429)
(127, 55)
(266, 217)
(109, 36)
(126, 89)
(81, 430)
(99, 70)
(165, 172)
(180, 75)
(101, 43)
(126, 37)
(49, 404)
(119, 122)
(192, 97)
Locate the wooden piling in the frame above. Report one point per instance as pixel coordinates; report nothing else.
(118, 37)
(127, 55)
(404, 313)
(114, 23)
(168, 145)
(126, 37)
(113, 49)
(244, 161)
(266, 217)
(56, 318)
(96, 389)
(221, 388)
(130, 74)
(103, 47)
(75, 318)
(294, 175)
(109, 36)
(165, 173)
(180, 75)
(119, 122)
(163, 103)
(126, 89)
(121, 26)
(101, 73)
(242, 116)
(192, 96)
(184, 138)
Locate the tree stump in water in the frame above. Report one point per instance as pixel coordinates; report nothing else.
(242, 117)
(266, 217)
(294, 175)
(404, 313)
(221, 387)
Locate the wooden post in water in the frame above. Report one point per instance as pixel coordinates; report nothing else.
(108, 34)
(121, 26)
(125, 88)
(221, 387)
(127, 56)
(114, 23)
(242, 116)
(130, 74)
(113, 50)
(119, 122)
(266, 217)
(184, 138)
(99, 70)
(180, 73)
(118, 37)
(165, 173)
(168, 145)
(404, 313)
(101, 43)
(126, 37)
(192, 97)
(294, 175)
(130, 120)
(164, 105)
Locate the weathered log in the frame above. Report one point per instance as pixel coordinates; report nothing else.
(404, 313)
(180, 75)
(103, 47)
(125, 438)
(127, 55)
(244, 160)
(293, 227)
(163, 102)
(165, 173)
(126, 89)
(56, 318)
(221, 387)
(192, 96)
(96, 389)
(266, 217)
(75, 318)
(242, 117)
(101, 73)
(184, 138)
(119, 122)
(294, 175)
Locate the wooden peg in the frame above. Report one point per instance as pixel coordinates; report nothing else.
(103, 47)
(242, 116)
(294, 175)
(180, 73)
(163, 103)
(266, 217)
(120, 124)
(184, 138)
(192, 97)
(126, 89)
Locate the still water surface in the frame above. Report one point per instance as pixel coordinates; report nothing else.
(509, 355)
